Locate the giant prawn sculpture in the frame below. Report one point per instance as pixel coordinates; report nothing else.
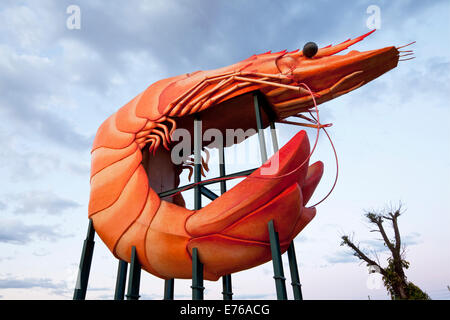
(129, 166)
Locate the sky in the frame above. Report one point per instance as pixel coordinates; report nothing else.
(58, 84)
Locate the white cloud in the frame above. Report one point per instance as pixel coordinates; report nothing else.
(26, 283)
(16, 232)
(40, 201)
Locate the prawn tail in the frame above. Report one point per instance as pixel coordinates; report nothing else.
(122, 204)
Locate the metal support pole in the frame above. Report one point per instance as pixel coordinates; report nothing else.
(197, 276)
(273, 134)
(168, 289)
(259, 125)
(223, 183)
(227, 287)
(134, 278)
(197, 266)
(277, 262)
(85, 264)
(197, 162)
(226, 279)
(121, 280)
(273, 235)
(293, 268)
(296, 285)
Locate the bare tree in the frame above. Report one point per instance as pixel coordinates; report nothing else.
(394, 277)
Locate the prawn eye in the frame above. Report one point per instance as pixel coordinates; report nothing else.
(310, 49)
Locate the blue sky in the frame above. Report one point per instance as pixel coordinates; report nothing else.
(57, 85)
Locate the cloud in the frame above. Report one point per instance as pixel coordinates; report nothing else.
(32, 80)
(28, 26)
(23, 165)
(16, 232)
(40, 201)
(6, 258)
(60, 288)
(254, 296)
(374, 245)
(41, 252)
(28, 283)
(81, 169)
(149, 27)
(412, 239)
(29, 84)
(302, 239)
(371, 247)
(341, 257)
(378, 245)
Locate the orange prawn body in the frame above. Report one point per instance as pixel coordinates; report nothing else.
(231, 232)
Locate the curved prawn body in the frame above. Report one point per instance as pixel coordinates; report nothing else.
(231, 232)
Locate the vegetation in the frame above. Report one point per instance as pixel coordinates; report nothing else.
(394, 277)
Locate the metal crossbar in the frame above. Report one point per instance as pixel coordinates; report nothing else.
(204, 183)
